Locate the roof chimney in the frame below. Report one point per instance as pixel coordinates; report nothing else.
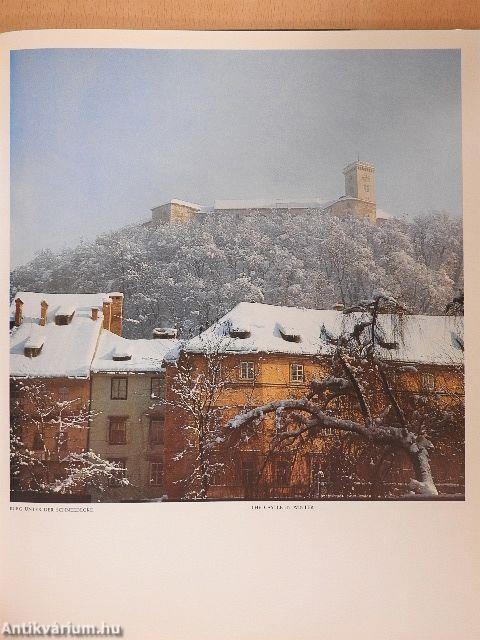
(94, 315)
(43, 312)
(18, 312)
(116, 313)
(107, 313)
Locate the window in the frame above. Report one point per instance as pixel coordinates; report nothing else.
(247, 371)
(296, 373)
(32, 352)
(218, 478)
(63, 319)
(121, 473)
(119, 389)
(117, 432)
(155, 434)
(282, 473)
(157, 388)
(289, 334)
(236, 332)
(37, 442)
(428, 381)
(248, 471)
(327, 431)
(156, 473)
(16, 397)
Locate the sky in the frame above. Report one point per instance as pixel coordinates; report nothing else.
(100, 136)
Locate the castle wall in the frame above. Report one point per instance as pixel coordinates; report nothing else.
(172, 212)
(161, 214)
(354, 207)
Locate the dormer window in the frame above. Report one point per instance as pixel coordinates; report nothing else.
(64, 315)
(238, 331)
(33, 346)
(164, 333)
(289, 334)
(120, 356)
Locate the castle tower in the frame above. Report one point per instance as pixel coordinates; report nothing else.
(360, 181)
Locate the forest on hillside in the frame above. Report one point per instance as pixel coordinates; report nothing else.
(188, 275)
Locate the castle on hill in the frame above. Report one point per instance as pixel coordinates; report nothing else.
(359, 200)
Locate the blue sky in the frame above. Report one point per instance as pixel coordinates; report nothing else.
(101, 136)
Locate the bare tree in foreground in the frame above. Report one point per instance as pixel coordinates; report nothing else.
(196, 392)
(42, 430)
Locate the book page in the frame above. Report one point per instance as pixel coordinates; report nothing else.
(234, 376)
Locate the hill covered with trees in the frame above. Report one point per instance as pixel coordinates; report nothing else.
(188, 275)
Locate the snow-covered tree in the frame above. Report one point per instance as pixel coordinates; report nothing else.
(47, 436)
(197, 386)
(190, 274)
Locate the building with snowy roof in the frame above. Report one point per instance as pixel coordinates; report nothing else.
(359, 200)
(69, 364)
(55, 335)
(272, 353)
(53, 340)
(128, 406)
(255, 328)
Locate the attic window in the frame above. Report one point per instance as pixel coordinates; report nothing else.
(289, 334)
(64, 315)
(33, 346)
(120, 356)
(236, 331)
(164, 333)
(32, 352)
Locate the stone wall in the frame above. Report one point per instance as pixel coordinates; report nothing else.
(355, 207)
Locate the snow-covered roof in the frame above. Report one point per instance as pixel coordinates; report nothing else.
(184, 203)
(422, 339)
(145, 355)
(36, 337)
(65, 310)
(56, 303)
(67, 349)
(266, 203)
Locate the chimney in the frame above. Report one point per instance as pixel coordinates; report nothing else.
(107, 314)
(338, 306)
(18, 312)
(117, 312)
(94, 315)
(43, 312)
